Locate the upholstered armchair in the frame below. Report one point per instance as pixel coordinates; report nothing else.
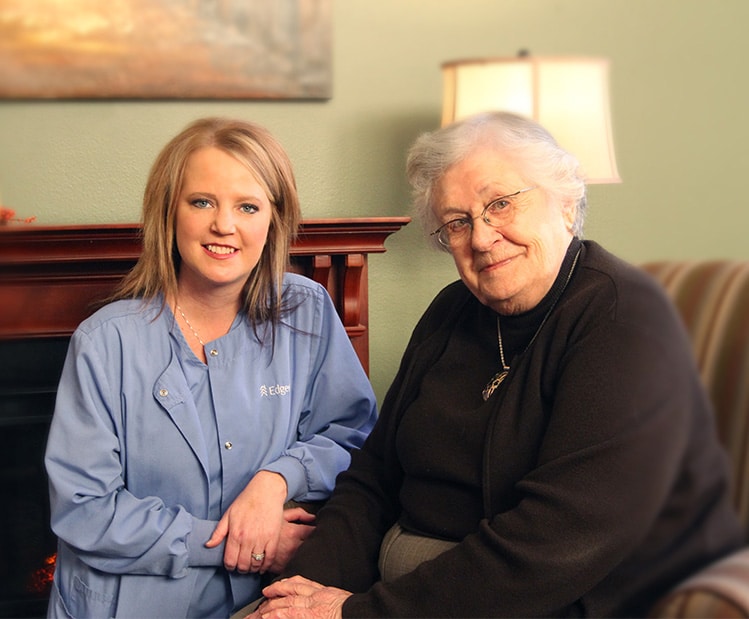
(713, 299)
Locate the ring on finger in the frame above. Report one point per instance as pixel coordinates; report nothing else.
(258, 556)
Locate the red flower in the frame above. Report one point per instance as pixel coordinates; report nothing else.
(8, 215)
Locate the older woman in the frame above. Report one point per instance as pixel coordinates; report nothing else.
(212, 390)
(546, 448)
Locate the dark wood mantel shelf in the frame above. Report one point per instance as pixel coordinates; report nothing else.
(51, 277)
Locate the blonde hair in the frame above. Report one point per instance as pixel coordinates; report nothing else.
(158, 265)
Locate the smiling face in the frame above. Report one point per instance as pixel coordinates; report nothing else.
(222, 220)
(510, 268)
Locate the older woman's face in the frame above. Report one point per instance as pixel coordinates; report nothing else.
(510, 268)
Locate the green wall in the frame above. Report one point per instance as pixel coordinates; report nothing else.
(680, 101)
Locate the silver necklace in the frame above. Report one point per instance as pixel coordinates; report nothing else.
(189, 326)
(499, 377)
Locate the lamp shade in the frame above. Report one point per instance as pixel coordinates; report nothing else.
(568, 96)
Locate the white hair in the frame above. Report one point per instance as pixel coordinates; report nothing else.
(542, 161)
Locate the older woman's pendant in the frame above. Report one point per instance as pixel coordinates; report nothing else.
(495, 382)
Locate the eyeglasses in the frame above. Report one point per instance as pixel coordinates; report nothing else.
(495, 214)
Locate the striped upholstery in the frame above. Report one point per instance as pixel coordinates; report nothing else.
(720, 590)
(713, 300)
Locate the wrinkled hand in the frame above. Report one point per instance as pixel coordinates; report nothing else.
(300, 598)
(252, 525)
(295, 529)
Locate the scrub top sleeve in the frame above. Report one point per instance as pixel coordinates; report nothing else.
(340, 407)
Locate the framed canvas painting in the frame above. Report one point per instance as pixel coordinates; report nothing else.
(172, 49)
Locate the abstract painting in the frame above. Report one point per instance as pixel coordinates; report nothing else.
(172, 49)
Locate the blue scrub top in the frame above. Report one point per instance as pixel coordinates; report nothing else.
(149, 446)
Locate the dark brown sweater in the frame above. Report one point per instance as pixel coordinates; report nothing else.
(587, 485)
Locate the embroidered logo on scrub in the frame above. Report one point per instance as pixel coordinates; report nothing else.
(268, 391)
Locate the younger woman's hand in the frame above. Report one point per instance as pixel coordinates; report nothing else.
(252, 525)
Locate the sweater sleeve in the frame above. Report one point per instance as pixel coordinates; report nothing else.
(344, 548)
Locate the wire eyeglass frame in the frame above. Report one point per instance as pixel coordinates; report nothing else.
(493, 215)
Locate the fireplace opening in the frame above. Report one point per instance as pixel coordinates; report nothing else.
(29, 373)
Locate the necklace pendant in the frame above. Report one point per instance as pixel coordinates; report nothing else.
(495, 382)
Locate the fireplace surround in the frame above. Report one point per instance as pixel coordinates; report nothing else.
(50, 279)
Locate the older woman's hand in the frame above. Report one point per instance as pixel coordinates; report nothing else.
(300, 598)
(297, 527)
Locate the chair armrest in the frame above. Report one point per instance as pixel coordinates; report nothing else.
(719, 590)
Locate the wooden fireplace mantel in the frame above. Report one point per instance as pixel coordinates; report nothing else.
(51, 277)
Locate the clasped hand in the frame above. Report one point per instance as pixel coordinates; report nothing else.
(260, 535)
